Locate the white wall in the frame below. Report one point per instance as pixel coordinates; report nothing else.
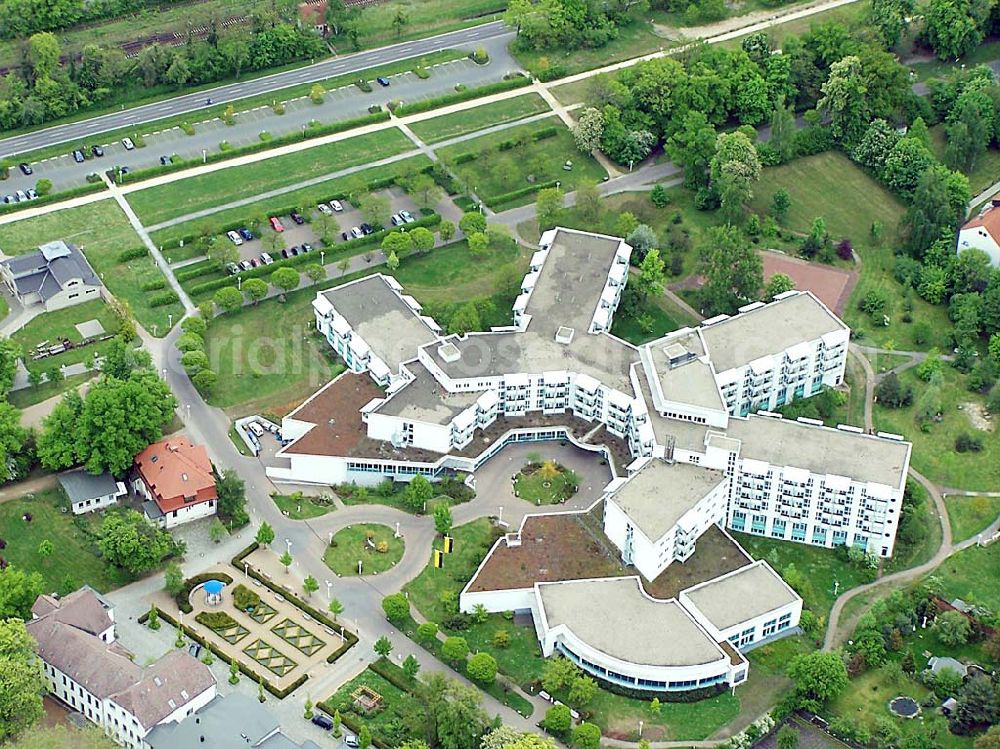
(978, 238)
(99, 503)
(189, 513)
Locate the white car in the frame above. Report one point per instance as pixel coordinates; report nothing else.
(235, 238)
(129, 145)
(324, 208)
(407, 217)
(357, 233)
(266, 258)
(336, 205)
(397, 219)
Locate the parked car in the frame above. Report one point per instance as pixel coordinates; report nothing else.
(357, 233)
(367, 228)
(324, 208)
(235, 238)
(78, 156)
(306, 247)
(343, 235)
(284, 253)
(245, 233)
(165, 160)
(396, 219)
(25, 169)
(293, 250)
(32, 194)
(323, 721)
(382, 80)
(297, 218)
(351, 741)
(8, 198)
(254, 262)
(245, 265)
(97, 151)
(232, 269)
(129, 145)
(336, 205)
(276, 224)
(21, 196)
(125, 169)
(194, 650)
(407, 217)
(266, 258)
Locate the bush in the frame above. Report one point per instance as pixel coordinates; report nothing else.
(188, 128)
(363, 85)
(215, 619)
(421, 72)
(154, 284)
(162, 299)
(479, 56)
(136, 252)
(968, 443)
(245, 599)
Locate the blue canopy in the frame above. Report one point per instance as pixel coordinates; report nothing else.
(214, 586)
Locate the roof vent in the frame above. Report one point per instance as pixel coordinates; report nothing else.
(449, 353)
(184, 694)
(154, 459)
(184, 477)
(564, 335)
(173, 705)
(158, 681)
(677, 355)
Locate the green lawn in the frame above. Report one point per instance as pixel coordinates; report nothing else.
(535, 485)
(478, 118)
(59, 324)
(158, 204)
(364, 543)
(818, 567)
(268, 357)
(934, 452)
(298, 507)
(905, 556)
(387, 724)
(969, 515)
(654, 319)
(305, 196)
(29, 396)
(677, 721)
(75, 560)
(103, 231)
(494, 173)
(971, 575)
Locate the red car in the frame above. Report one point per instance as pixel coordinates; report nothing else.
(276, 224)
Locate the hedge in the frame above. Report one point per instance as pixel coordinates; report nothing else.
(258, 678)
(293, 137)
(53, 197)
(393, 674)
(181, 599)
(154, 284)
(135, 253)
(162, 299)
(372, 240)
(197, 269)
(424, 105)
(504, 145)
(513, 195)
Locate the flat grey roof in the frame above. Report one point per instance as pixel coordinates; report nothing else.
(692, 383)
(80, 485)
(571, 282)
(821, 450)
(616, 617)
(658, 495)
(425, 400)
(748, 592)
(220, 723)
(682, 434)
(767, 330)
(386, 323)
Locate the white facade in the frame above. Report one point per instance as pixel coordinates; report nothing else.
(100, 503)
(978, 234)
(179, 516)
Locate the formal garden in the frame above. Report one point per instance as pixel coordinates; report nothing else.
(363, 549)
(545, 482)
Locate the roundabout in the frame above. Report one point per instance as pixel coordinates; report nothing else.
(371, 546)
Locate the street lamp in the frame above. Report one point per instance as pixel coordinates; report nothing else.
(500, 516)
(329, 538)
(288, 545)
(397, 529)
(359, 567)
(204, 156)
(329, 590)
(322, 257)
(164, 373)
(188, 406)
(170, 319)
(246, 570)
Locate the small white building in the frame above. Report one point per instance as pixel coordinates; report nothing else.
(56, 275)
(982, 233)
(88, 492)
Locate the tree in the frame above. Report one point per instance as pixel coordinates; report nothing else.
(875, 145)
(734, 169)
(952, 628)
(310, 585)
(658, 196)
(376, 209)
(548, 206)
(479, 243)
(396, 607)
(586, 736)
(61, 737)
(989, 740)
(978, 705)
(23, 683)
(425, 191)
(265, 534)
(482, 668)
(642, 239)
(286, 560)
(788, 738)
(411, 666)
(446, 230)
(392, 261)
(781, 201)
(18, 591)
(442, 519)
(326, 227)
(15, 452)
(558, 673)
(222, 253)
(953, 28)
(255, 289)
(777, 284)
(844, 100)
(121, 358)
(399, 22)
(932, 212)
(905, 165)
(228, 299)
(650, 280)
(285, 279)
(557, 720)
(232, 496)
(733, 272)
(43, 55)
(427, 632)
(423, 239)
(892, 393)
(455, 650)
(173, 579)
(472, 222)
(400, 243)
(783, 133)
(10, 352)
(45, 548)
(336, 608)
(818, 676)
(891, 19)
(582, 690)
(691, 147)
(128, 540)
(589, 129)
(382, 646)
(418, 491)
(457, 718)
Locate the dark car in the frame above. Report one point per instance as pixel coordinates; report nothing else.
(126, 169)
(284, 253)
(25, 169)
(97, 151)
(323, 721)
(382, 81)
(297, 217)
(294, 250)
(306, 247)
(367, 228)
(164, 160)
(343, 235)
(78, 156)
(194, 650)
(245, 233)
(254, 262)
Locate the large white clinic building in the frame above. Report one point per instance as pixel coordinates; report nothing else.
(417, 401)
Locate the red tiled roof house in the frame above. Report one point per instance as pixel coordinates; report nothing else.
(983, 233)
(175, 476)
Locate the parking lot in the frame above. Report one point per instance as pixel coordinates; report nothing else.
(342, 103)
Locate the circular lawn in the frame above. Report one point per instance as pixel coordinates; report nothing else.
(545, 483)
(374, 544)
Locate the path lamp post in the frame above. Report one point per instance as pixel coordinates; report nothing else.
(288, 545)
(640, 729)
(329, 590)
(204, 156)
(239, 283)
(170, 319)
(246, 570)
(359, 567)
(397, 529)
(322, 257)
(164, 373)
(329, 538)
(188, 407)
(500, 516)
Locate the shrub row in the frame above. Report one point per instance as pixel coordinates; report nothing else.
(350, 639)
(315, 131)
(509, 197)
(154, 284)
(505, 145)
(136, 252)
(459, 96)
(372, 240)
(54, 197)
(181, 599)
(162, 299)
(195, 270)
(392, 674)
(258, 678)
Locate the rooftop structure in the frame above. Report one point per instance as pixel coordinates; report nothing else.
(56, 275)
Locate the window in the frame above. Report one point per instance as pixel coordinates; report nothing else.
(769, 628)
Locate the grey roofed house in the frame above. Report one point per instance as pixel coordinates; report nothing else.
(84, 487)
(937, 664)
(56, 275)
(225, 723)
(84, 609)
(741, 595)
(172, 681)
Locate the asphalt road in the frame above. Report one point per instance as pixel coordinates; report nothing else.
(463, 39)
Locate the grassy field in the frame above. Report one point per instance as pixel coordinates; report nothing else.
(266, 357)
(543, 489)
(385, 724)
(29, 396)
(75, 560)
(157, 204)
(493, 173)
(987, 167)
(969, 515)
(103, 231)
(303, 196)
(60, 324)
(478, 118)
(361, 543)
(906, 556)
(298, 507)
(971, 575)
